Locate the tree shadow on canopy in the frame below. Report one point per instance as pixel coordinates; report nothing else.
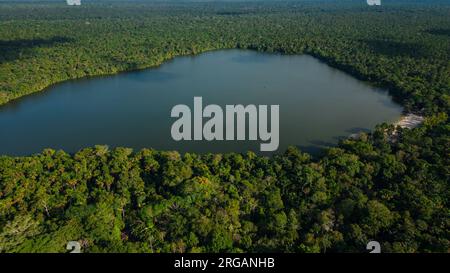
(11, 50)
(395, 49)
(439, 31)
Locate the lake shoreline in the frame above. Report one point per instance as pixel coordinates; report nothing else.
(165, 59)
(54, 118)
(406, 121)
(409, 121)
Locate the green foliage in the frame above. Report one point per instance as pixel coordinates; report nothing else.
(119, 201)
(16, 232)
(395, 191)
(44, 43)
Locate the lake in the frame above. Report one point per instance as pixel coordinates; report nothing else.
(318, 105)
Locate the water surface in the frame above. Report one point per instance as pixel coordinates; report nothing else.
(318, 104)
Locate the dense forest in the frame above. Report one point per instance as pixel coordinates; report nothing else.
(384, 186)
